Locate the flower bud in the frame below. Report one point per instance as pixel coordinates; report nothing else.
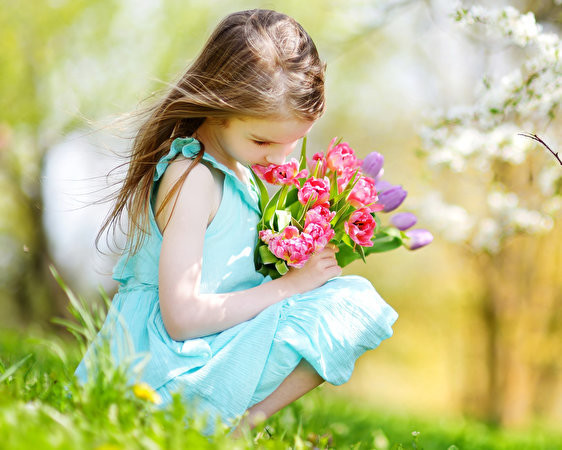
(404, 220)
(418, 238)
(372, 164)
(382, 186)
(392, 198)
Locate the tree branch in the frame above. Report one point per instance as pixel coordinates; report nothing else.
(539, 140)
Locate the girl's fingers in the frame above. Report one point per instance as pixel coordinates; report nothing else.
(327, 251)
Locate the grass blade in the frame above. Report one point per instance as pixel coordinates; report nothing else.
(13, 368)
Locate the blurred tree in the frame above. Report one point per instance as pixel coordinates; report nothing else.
(37, 38)
(518, 190)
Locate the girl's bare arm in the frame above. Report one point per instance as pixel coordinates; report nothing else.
(187, 313)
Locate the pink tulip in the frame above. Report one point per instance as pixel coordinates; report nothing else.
(364, 194)
(292, 247)
(320, 213)
(321, 234)
(318, 226)
(315, 189)
(318, 158)
(344, 177)
(287, 173)
(340, 157)
(360, 227)
(266, 235)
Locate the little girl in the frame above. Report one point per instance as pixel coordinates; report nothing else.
(218, 333)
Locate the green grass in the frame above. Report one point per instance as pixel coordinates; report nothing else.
(43, 407)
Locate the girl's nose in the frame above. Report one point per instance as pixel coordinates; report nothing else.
(280, 155)
(276, 159)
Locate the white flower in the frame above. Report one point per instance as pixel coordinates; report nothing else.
(531, 221)
(547, 179)
(501, 203)
(451, 221)
(552, 205)
(475, 136)
(487, 236)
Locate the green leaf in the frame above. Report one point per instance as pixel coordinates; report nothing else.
(346, 255)
(281, 267)
(309, 203)
(78, 307)
(361, 252)
(296, 208)
(339, 235)
(350, 185)
(302, 163)
(282, 197)
(266, 256)
(264, 195)
(341, 214)
(13, 368)
(334, 185)
(269, 210)
(272, 272)
(347, 241)
(296, 224)
(292, 196)
(384, 243)
(387, 239)
(316, 169)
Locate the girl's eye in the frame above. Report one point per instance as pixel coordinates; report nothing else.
(260, 143)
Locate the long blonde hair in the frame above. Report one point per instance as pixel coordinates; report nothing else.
(257, 63)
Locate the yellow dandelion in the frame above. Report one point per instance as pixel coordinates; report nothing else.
(145, 392)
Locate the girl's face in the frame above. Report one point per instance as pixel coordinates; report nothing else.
(252, 141)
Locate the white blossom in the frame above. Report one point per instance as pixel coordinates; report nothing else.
(477, 136)
(530, 221)
(487, 236)
(453, 222)
(501, 203)
(548, 178)
(552, 205)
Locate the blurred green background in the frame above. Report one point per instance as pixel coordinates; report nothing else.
(479, 334)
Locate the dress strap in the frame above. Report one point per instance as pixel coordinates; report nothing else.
(190, 147)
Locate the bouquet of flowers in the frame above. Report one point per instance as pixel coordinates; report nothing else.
(334, 200)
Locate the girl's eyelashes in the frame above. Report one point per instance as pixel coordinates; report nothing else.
(260, 143)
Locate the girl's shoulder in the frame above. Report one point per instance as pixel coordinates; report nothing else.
(203, 182)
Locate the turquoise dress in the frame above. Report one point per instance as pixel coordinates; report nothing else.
(224, 374)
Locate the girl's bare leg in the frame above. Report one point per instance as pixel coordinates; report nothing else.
(300, 381)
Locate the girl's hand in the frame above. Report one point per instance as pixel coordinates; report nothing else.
(321, 267)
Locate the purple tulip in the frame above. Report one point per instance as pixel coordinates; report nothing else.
(404, 220)
(372, 164)
(392, 198)
(418, 238)
(382, 186)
